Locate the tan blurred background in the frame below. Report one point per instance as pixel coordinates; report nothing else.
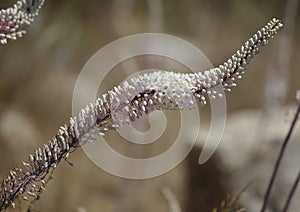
(38, 73)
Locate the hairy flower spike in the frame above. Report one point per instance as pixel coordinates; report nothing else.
(14, 19)
(140, 95)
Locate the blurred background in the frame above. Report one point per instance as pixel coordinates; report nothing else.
(38, 74)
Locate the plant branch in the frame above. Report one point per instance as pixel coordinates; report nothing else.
(279, 159)
(291, 194)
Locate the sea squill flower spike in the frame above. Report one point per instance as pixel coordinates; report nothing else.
(159, 90)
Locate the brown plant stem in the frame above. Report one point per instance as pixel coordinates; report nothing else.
(279, 159)
(291, 194)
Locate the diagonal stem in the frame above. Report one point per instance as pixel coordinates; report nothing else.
(279, 159)
(291, 194)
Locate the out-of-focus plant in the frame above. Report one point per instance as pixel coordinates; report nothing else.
(230, 204)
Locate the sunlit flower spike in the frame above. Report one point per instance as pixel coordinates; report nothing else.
(159, 90)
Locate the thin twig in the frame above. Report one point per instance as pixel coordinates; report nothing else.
(278, 161)
(230, 203)
(291, 194)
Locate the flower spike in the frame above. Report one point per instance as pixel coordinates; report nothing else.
(15, 18)
(159, 90)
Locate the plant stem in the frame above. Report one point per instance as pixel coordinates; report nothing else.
(279, 159)
(291, 194)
